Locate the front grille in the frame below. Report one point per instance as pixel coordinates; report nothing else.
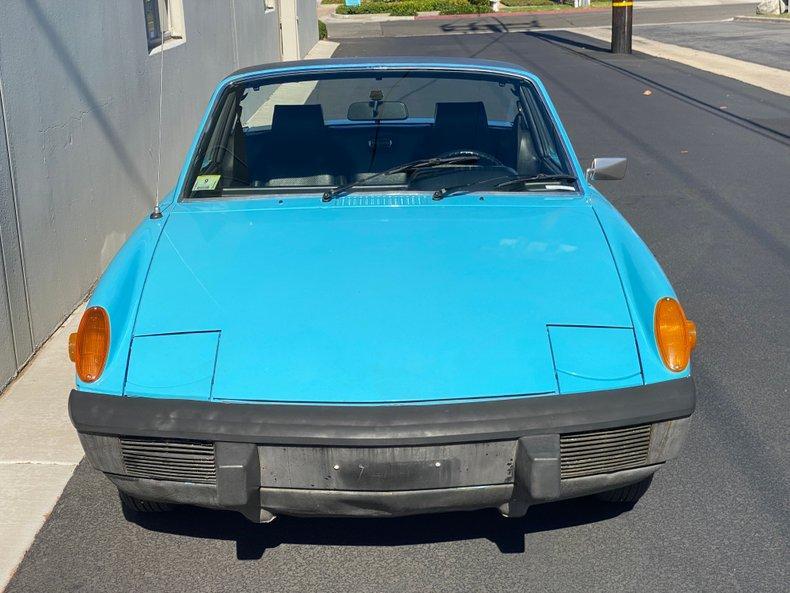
(180, 461)
(603, 451)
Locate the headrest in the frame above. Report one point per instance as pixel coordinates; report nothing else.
(471, 114)
(297, 118)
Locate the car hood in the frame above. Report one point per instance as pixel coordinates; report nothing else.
(369, 304)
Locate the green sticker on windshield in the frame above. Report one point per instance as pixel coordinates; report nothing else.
(206, 182)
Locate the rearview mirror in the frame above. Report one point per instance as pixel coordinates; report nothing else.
(607, 169)
(377, 110)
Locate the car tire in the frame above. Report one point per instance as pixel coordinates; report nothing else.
(627, 494)
(138, 505)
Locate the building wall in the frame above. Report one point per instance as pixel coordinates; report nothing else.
(15, 338)
(307, 25)
(80, 105)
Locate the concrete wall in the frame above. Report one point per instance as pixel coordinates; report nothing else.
(307, 25)
(80, 102)
(15, 339)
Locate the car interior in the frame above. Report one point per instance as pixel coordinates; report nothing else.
(302, 149)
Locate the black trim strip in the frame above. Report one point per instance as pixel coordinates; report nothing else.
(385, 425)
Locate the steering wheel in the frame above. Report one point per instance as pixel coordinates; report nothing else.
(478, 153)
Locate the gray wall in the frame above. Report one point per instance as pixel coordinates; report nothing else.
(307, 25)
(80, 100)
(15, 339)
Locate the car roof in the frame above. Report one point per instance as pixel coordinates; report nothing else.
(394, 61)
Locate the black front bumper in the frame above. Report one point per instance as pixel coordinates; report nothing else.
(264, 459)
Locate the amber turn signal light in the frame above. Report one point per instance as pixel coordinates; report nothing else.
(676, 336)
(89, 346)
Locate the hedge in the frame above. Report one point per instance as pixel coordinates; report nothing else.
(412, 7)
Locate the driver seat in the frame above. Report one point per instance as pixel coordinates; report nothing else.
(460, 126)
(299, 149)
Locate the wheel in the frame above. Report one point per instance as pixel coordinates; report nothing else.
(627, 494)
(142, 506)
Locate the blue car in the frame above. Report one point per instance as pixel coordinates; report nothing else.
(382, 287)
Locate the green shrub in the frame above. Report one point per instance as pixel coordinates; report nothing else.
(322, 34)
(332, 1)
(412, 7)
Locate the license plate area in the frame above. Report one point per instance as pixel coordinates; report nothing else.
(387, 468)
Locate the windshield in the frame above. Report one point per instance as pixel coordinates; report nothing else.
(347, 130)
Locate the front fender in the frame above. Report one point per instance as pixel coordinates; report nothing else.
(118, 292)
(644, 283)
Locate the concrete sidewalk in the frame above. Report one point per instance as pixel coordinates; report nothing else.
(761, 41)
(766, 77)
(39, 449)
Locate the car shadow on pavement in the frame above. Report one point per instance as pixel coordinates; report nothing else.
(252, 539)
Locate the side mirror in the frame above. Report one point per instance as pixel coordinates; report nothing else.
(607, 169)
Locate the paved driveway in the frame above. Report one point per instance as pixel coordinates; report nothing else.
(709, 190)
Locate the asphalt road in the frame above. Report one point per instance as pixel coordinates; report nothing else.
(709, 190)
(504, 22)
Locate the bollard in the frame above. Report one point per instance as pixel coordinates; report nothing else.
(622, 24)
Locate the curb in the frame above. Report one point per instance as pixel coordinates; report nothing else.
(383, 18)
(762, 19)
(497, 15)
(378, 17)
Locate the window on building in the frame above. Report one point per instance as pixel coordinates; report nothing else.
(164, 21)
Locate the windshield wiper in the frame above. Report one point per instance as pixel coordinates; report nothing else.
(541, 178)
(509, 180)
(404, 168)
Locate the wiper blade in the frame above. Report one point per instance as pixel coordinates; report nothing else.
(509, 180)
(536, 179)
(445, 191)
(404, 168)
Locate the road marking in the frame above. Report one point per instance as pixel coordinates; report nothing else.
(765, 77)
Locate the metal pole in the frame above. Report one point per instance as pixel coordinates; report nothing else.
(622, 22)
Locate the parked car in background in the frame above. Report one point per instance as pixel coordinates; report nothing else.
(382, 287)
